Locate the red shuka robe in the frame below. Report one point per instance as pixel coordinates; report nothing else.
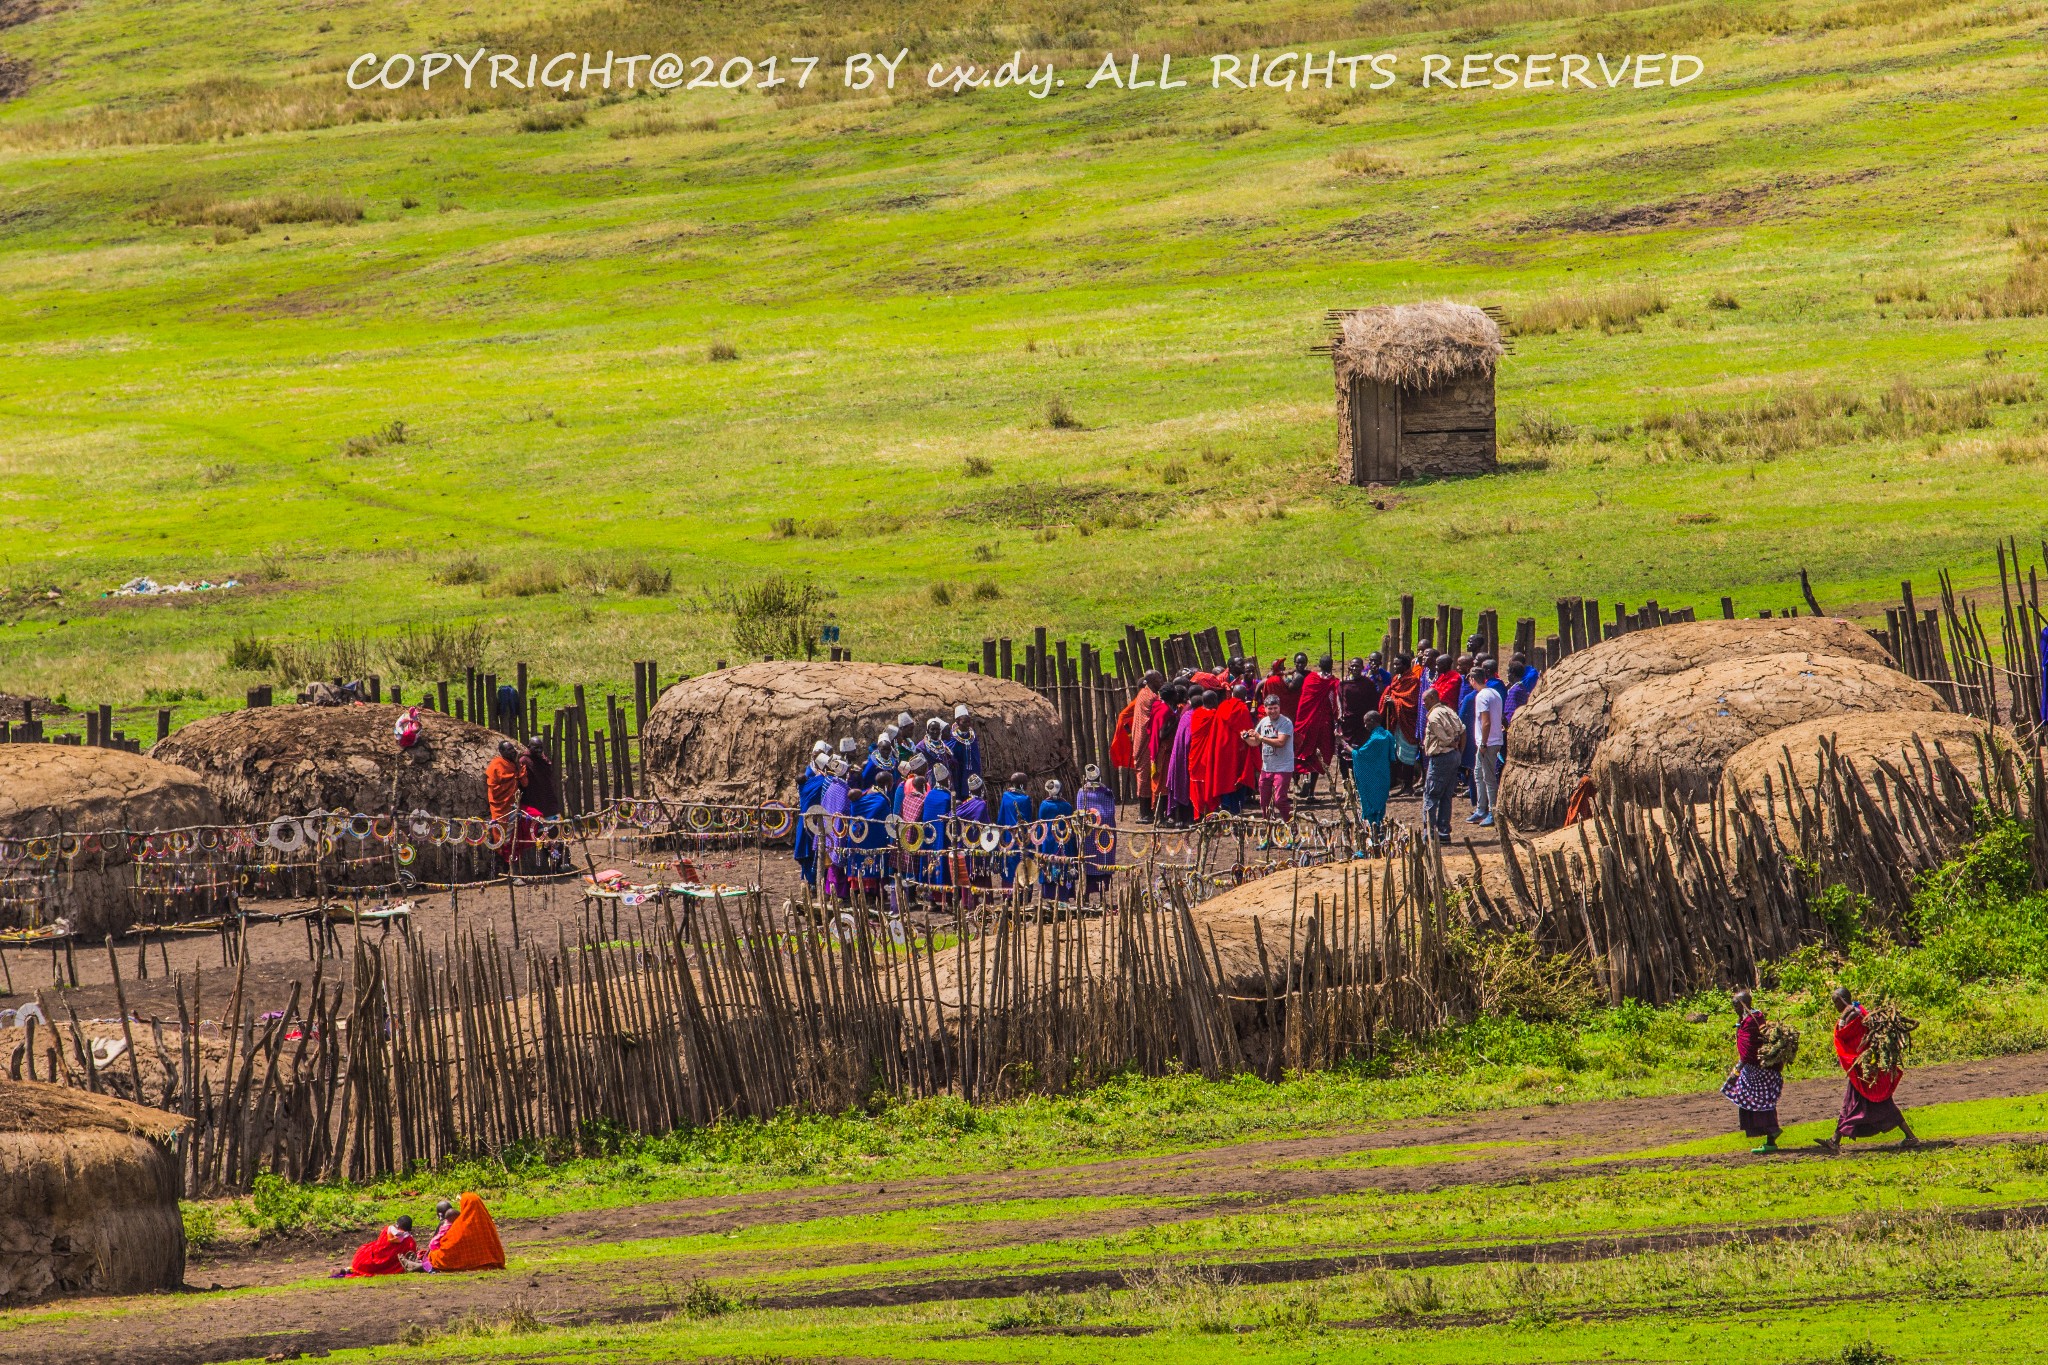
(1237, 763)
(1849, 1041)
(1315, 724)
(381, 1256)
(1204, 773)
(1120, 745)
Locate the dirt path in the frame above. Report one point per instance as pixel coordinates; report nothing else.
(199, 1327)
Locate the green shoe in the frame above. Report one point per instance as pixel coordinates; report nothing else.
(1770, 1146)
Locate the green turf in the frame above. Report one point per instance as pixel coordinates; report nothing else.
(907, 284)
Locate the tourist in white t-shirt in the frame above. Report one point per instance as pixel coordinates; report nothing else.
(1274, 736)
(1489, 736)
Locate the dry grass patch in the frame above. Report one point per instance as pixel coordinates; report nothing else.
(1613, 310)
(1366, 162)
(250, 215)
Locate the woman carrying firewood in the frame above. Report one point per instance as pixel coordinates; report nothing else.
(1871, 1046)
(1762, 1051)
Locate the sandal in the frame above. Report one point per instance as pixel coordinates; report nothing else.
(1770, 1146)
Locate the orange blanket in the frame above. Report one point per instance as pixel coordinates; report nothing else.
(471, 1241)
(501, 787)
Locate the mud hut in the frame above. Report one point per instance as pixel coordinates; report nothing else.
(89, 1197)
(1866, 739)
(58, 801)
(268, 761)
(1414, 391)
(744, 734)
(1553, 738)
(1677, 733)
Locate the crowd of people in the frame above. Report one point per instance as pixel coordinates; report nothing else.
(1236, 740)
(909, 816)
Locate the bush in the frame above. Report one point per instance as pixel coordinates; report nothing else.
(280, 1206)
(721, 351)
(393, 434)
(987, 591)
(249, 654)
(1362, 161)
(1059, 416)
(462, 570)
(1173, 472)
(1721, 298)
(941, 594)
(202, 1225)
(979, 467)
(528, 580)
(776, 618)
(440, 649)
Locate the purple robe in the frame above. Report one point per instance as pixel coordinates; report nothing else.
(1177, 762)
(1099, 802)
(831, 854)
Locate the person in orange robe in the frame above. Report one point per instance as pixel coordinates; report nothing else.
(469, 1241)
(501, 790)
(1400, 706)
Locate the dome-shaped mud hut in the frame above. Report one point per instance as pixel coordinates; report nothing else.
(268, 761)
(744, 734)
(56, 801)
(1679, 732)
(1552, 740)
(89, 1190)
(1863, 738)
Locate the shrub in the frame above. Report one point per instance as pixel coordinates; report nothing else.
(248, 654)
(1721, 298)
(280, 1206)
(536, 579)
(611, 573)
(941, 594)
(1059, 417)
(979, 467)
(463, 570)
(1544, 429)
(394, 433)
(1173, 472)
(439, 649)
(722, 351)
(777, 617)
(552, 118)
(202, 1225)
(987, 591)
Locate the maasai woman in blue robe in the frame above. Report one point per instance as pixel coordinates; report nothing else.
(1372, 771)
(1015, 809)
(936, 815)
(1056, 874)
(810, 794)
(868, 864)
(963, 742)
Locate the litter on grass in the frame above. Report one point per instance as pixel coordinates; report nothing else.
(149, 587)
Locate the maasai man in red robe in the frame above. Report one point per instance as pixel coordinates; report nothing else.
(1237, 763)
(1315, 725)
(1144, 709)
(1274, 684)
(1159, 739)
(390, 1254)
(1399, 710)
(1867, 1105)
(1204, 775)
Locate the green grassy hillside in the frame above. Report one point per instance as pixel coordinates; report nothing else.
(493, 397)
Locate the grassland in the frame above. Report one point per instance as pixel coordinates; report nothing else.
(491, 401)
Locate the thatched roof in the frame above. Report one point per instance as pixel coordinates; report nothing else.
(1415, 345)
